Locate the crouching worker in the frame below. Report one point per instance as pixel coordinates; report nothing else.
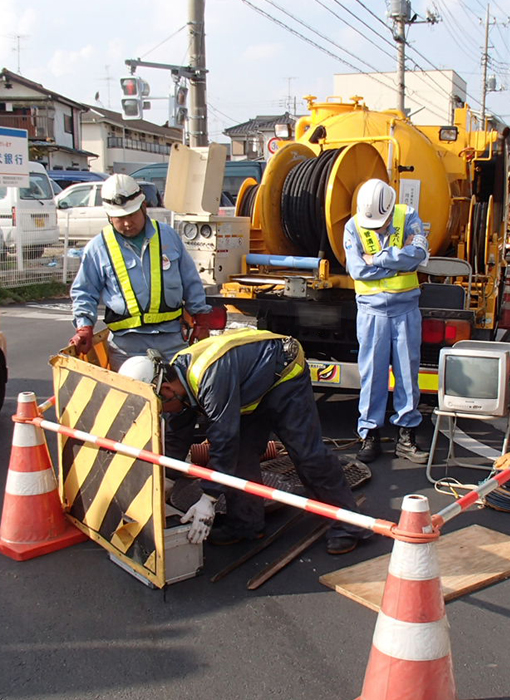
(181, 491)
(248, 383)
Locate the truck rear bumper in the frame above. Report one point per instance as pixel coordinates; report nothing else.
(345, 375)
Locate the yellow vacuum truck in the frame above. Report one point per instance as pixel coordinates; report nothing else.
(293, 279)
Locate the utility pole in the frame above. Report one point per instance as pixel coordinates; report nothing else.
(198, 102)
(400, 13)
(485, 61)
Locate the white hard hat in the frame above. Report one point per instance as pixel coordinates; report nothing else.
(375, 203)
(121, 195)
(138, 367)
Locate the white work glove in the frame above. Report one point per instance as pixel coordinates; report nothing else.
(202, 515)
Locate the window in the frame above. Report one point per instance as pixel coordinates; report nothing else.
(68, 123)
(78, 198)
(39, 188)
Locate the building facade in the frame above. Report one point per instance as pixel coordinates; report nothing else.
(123, 146)
(430, 96)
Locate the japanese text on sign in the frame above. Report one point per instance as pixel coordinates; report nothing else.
(14, 166)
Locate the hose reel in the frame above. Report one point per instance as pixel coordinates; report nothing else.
(305, 199)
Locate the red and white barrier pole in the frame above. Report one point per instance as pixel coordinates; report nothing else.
(470, 498)
(308, 504)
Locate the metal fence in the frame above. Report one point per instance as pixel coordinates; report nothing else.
(35, 251)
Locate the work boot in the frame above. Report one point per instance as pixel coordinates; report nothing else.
(408, 449)
(370, 446)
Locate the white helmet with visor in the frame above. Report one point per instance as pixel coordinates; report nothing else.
(121, 195)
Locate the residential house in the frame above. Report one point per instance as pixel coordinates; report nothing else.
(256, 139)
(125, 145)
(51, 120)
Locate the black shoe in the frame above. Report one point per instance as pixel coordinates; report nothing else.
(408, 449)
(341, 544)
(370, 447)
(224, 535)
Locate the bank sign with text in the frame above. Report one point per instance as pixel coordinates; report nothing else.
(14, 165)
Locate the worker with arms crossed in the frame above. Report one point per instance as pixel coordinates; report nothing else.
(141, 271)
(248, 383)
(384, 245)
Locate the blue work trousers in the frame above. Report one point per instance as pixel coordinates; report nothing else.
(385, 340)
(290, 412)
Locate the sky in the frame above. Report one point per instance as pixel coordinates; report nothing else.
(256, 66)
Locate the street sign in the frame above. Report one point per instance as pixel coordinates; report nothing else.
(272, 144)
(13, 157)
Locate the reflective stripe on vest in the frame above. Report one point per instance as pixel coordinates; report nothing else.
(402, 281)
(136, 316)
(208, 351)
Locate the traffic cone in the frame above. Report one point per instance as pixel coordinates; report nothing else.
(410, 657)
(33, 522)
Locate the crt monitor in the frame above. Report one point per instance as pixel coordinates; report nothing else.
(474, 377)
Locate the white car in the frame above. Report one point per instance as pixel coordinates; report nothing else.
(81, 215)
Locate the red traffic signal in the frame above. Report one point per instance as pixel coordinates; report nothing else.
(130, 86)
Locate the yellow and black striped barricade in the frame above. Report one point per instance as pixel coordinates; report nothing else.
(117, 500)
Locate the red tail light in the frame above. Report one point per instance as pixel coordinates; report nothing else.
(457, 330)
(432, 330)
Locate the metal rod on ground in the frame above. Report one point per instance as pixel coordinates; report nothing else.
(294, 552)
(267, 541)
(259, 548)
(308, 504)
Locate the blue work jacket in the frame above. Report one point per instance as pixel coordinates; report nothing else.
(387, 263)
(96, 280)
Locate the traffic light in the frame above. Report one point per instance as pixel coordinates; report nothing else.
(134, 90)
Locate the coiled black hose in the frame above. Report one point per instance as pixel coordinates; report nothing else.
(302, 204)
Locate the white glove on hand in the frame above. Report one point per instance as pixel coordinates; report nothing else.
(202, 515)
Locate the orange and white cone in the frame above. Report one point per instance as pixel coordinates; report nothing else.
(33, 522)
(410, 657)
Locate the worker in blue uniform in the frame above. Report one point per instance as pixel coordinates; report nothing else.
(384, 245)
(248, 383)
(141, 271)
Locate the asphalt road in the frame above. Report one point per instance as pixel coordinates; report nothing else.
(76, 626)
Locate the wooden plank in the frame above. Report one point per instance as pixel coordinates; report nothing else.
(469, 559)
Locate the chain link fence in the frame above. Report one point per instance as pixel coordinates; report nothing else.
(35, 251)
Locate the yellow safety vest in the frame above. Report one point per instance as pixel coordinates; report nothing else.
(402, 281)
(206, 352)
(158, 311)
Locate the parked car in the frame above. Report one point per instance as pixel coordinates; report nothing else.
(80, 208)
(28, 215)
(66, 178)
(236, 172)
(55, 187)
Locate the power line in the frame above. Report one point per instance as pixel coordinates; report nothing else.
(373, 14)
(164, 41)
(380, 36)
(323, 36)
(308, 40)
(357, 30)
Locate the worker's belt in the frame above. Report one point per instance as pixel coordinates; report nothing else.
(290, 352)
